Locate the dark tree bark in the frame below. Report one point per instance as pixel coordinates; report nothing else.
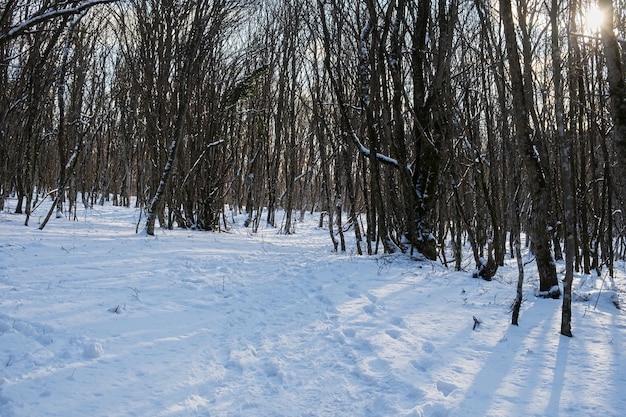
(564, 143)
(430, 121)
(615, 75)
(515, 236)
(537, 182)
(204, 24)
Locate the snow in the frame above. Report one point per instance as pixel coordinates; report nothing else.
(48, 14)
(98, 320)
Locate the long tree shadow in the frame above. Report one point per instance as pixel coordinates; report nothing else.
(559, 376)
(497, 388)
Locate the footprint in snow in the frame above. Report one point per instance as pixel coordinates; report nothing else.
(446, 388)
(394, 334)
(422, 365)
(42, 334)
(353, 294)
(369, 309)
(273, 369)
(323, 299)
(439, 410)
(378, 365)
(398, 322)
(362, 345)
(349, 332)
(428, 347)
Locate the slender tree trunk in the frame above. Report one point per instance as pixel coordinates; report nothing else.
(338, 197)
(351, 194)
(565, 145)
(71, 164)
(61, 131)
(371, 71)
(275, 159)
(291, 150)
(319, 127)
(515, 237)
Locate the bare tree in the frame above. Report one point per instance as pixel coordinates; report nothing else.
(615, 74)
(565, 145)
(537, 182)
(45, 13)
(206, 22)
(65, 164)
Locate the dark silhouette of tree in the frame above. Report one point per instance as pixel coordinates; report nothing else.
(537, 181)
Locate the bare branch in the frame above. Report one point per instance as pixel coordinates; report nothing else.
(45, 15)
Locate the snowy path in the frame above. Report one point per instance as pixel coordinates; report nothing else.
(97, 320)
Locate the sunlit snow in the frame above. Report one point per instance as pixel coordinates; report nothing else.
(96, 320)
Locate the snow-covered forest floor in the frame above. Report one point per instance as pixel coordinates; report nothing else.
(96, 320)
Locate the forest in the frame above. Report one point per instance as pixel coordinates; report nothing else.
(408, 125)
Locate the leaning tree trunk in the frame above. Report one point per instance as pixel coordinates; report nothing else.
(191, 60)
(537, 183)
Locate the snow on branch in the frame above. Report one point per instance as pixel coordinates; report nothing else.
(208, 146)
(365, 33)
(366, 151)
(597, 38)
(70, 162)
(48, 14)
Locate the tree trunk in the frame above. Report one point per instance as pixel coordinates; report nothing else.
(564, 143)
(319, 127)
(538, 187)
(615, 75)
(515, 235)
(192, 58)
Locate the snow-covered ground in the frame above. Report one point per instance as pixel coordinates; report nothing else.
(96, 320)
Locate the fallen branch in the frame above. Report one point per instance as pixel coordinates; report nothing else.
(476, 322)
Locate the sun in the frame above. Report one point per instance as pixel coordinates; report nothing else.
(593, 19)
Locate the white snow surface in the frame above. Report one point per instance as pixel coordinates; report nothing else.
(97, 320)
